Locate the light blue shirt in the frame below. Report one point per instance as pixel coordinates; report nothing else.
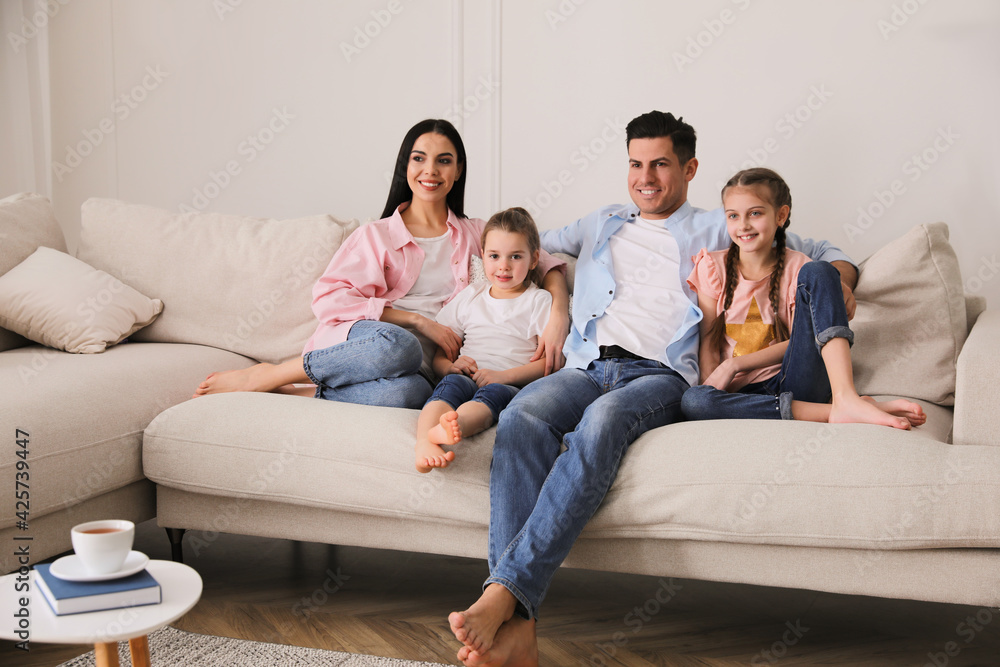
(594, 285)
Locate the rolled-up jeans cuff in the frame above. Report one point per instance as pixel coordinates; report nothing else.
(522, 608)
(827, 335)
(785, 405)
(309, 374)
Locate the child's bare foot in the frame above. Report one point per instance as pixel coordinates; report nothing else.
(476, 626)
(244, 379)
(430, 456)
(900, 407)
(855, 410)
(515, 645)
(447, 431)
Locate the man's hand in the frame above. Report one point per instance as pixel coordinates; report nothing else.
(464, 366)
(550, 343)
(849, 301)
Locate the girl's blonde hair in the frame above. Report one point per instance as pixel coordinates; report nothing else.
(775, 191)
(516, 220)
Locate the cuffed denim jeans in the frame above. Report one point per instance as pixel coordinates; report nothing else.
(378, 364)
(820, 315)
(455, 389)
(540, 499)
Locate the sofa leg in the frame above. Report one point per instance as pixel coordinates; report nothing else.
(175, 535)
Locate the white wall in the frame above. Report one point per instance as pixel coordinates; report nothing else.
(541, 92)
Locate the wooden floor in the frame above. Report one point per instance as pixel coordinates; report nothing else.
(395, 604)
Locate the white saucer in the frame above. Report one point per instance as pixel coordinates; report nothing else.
(71, 568)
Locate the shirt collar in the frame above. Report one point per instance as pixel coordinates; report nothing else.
(399, 235)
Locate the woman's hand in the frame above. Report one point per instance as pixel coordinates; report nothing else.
(723, 375)
(449, 341)
(485, 376)
(550, 343)
(464, 366)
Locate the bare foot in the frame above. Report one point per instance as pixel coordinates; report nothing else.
(430, 456)
(447, 432)
(244, 379)
(476, 626)
(515, 645)
(900, 407)
(855, 410)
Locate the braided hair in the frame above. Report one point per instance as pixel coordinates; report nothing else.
(769, 182)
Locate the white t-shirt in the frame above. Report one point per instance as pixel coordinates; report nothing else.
(499, 334)
(434, 284)
(649, 303)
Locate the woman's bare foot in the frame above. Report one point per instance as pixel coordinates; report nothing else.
(430, 456)
(855, 410)
(446, 431)
(476, 626)
(244, 379)
(900, 407)
(515, 645)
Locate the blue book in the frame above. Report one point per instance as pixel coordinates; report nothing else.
(76, 597)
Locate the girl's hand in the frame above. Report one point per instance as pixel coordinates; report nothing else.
(550, 343)
(723, 375)
(464, 366)
(485, 376)
(449, 341)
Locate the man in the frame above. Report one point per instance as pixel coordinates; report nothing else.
(631, 353)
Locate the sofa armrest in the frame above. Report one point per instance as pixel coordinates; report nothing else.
(977, 399)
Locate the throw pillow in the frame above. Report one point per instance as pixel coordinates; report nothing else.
(57, 300)
(911, 321)
(27, 221)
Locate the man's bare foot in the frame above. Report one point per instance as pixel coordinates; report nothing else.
(476, 626)
(515, 645)
(900, 407)
(855, 410)
(447, 431)
(244, 379)
(430, 456)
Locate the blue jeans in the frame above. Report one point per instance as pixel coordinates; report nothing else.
(820, 315)
(378, 364)
(455, 389)
(540, 499)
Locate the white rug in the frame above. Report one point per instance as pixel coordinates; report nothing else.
(169, 647)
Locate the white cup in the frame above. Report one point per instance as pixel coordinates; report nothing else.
(103, 546)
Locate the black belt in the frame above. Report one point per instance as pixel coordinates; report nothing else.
(615, 352)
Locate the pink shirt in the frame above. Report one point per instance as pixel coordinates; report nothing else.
(750, 320)
(379, 263)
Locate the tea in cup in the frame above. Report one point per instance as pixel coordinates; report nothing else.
(103, 546)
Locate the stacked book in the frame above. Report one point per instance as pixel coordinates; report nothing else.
(75, 597)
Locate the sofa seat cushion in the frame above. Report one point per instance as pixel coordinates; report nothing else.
(85, 413)
(783, 483)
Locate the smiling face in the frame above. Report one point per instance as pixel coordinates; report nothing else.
(433, 168)
(507, 261)
(751, 219)
(657, 181)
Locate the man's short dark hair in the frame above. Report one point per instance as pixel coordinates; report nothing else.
(658, 124)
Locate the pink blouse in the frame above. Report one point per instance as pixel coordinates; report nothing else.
(378, 263)
(750, 320)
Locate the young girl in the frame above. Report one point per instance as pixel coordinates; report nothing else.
(775, 341)
(377, 300)
(500, 320)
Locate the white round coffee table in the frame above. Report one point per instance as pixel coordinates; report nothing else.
(180, 587)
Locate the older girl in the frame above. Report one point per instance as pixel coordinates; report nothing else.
(377, 300)
(775, 340)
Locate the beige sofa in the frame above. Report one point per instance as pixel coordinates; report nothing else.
(841, 508)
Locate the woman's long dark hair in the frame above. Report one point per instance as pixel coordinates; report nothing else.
(399, 189)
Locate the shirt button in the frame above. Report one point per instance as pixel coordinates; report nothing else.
(584, 340)
(611, 291)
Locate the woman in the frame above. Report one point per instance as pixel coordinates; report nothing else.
(377, 299)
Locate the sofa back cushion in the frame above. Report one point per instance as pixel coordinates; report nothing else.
(228, 281)
(911, 320)
(27, 221)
